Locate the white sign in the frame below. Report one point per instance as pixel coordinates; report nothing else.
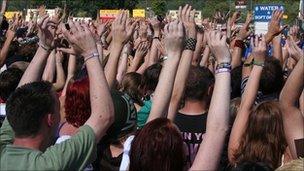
(51, 12)
(198, 16)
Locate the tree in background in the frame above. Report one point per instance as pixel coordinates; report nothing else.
(159, 7)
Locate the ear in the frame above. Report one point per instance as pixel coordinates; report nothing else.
(50, 120)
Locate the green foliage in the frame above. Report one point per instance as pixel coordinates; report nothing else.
(159, 7)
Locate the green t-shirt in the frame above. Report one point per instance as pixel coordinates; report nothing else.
(143, 113)
(73, 154)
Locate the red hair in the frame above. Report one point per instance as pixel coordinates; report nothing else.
(158, 146)
(77, 102)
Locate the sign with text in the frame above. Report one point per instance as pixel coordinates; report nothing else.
(139, 13)
(240, 4)
(108, 14)
(262, 13)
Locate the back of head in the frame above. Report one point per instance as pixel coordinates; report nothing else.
(131, 85)
(264, 138)
(198, 83)
(27, 106)
(233, 109)
(158, 146)
(150, 77)
(77, 102)
(272, 79)
(236, 79)
(9, 80)
(252, 166)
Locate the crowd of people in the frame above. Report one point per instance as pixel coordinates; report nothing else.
(150, 94)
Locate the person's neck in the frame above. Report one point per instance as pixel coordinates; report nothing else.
(35, 143)
(194, 107)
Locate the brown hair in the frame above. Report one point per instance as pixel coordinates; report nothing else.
(264, 138)
(131, 85)
(158, 146)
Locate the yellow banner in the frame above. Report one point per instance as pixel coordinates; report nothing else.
(139, 13)
(109, 13)
(10, 14)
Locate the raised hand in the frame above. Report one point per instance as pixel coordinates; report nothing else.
(293, 32)
(156, 24)
(274, 27)
(219, 47)
(259, 49)
(122, 33)
(174, 37)
(101, 28)
(46, 32)
(294, 51)
(186, 16)
(17, 21)
(244, 31)
(81, 39)
(142, 49)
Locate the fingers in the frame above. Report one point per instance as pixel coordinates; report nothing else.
(184, 10)
(40, 22)
(180, 13)
(188, 15)
(45, 22)
(256, 41)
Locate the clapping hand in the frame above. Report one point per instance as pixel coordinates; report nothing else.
(274, 27)
(259, 49)
(218, 46)
(121, 31)
(46, 31)
(80, 38)
(174, 37)
(186, 16)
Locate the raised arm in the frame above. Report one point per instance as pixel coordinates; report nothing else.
(210, 150)
(186, 59)
(60, 77)
(174, 36)
(50, 68)
(102, 111)
(123, 62)
(239, 43)
(153, 58)
(277, 49)
(10, 35)
(121, 34)
(248, 98)
(46, 35)
(292, 118)
(140, 53)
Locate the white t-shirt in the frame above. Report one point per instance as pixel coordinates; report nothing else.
(2, 109)
(125, 162)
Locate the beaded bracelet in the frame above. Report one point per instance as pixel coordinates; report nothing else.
(92, 55)
(190, 44)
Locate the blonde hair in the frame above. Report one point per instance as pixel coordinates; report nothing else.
(294, 165)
